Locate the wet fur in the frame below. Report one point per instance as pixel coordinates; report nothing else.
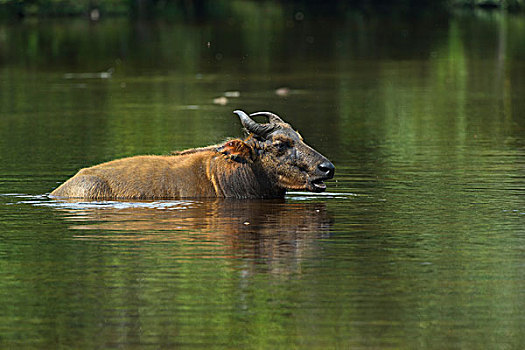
(228, 170)
(261, 166)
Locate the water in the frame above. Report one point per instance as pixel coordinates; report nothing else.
(417, 243)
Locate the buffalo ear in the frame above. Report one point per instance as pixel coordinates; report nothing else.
(238, 151)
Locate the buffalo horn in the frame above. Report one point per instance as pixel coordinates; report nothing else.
(252, 126)
(273, 118)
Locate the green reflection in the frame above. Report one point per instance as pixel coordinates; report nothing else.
(421, 248)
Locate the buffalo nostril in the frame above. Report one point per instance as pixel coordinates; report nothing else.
(327, 168)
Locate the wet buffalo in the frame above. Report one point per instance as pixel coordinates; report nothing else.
(271, 160)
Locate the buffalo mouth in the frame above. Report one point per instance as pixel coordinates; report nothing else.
(317, 184)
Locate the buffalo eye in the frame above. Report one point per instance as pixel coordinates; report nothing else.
(281, 145)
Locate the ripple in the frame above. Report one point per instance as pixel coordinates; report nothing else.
(304, 196)
(72, 204)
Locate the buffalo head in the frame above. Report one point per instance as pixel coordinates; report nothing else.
(284, 155)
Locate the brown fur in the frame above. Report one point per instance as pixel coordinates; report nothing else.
(238, 150)
(262, 166)
(205, 172)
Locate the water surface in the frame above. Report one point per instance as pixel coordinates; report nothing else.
(417, 243)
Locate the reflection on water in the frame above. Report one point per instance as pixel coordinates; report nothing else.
(418, 242)
(239, 228)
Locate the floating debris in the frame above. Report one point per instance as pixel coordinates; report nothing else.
(282, 91)
(188, 107)
(101, 75)
(232, 94)
(220, 101)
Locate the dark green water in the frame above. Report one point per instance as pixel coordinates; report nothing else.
(418, 243)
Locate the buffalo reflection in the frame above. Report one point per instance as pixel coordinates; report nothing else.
(261, 230)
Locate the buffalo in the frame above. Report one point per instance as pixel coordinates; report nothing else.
(271, 160)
